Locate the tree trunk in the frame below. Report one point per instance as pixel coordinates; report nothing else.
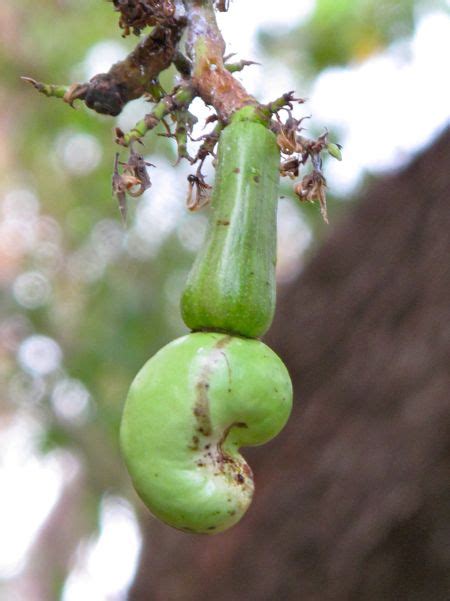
(353, 498)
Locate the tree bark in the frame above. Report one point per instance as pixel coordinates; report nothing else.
(353, 498)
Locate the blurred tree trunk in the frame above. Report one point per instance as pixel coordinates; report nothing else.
(353, 498)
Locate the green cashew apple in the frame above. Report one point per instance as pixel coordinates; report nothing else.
(189, 410)
(231, 287)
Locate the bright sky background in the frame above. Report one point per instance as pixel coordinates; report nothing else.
(388, 108)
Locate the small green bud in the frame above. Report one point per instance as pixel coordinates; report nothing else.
(334, 150)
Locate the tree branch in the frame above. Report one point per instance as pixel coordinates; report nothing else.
(108, 93)
(206, 47)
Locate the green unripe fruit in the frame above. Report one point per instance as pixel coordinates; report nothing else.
(189, 410)
(231, 287)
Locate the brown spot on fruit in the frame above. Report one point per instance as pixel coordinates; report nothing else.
(224, 340)
(201, 409)
(195, 442)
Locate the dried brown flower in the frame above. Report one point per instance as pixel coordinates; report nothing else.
(202, 195)
(290, 167)
(133, 181)
(312, 188)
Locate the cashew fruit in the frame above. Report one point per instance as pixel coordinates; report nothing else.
(189, 410)
(231, 287)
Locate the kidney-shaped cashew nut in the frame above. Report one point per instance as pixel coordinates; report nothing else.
(189, 410)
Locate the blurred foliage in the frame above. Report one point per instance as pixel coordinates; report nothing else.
(113, 294)
(339, 33)
(108, 309)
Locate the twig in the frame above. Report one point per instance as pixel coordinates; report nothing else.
(181, 98)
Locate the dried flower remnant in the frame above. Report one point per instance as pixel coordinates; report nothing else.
(290, 167)
(312, 188)
(201, 197)
(120, 185)
(288, 139)
(137, 15)
(298, 150)
(133, 181)
(137, 166)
